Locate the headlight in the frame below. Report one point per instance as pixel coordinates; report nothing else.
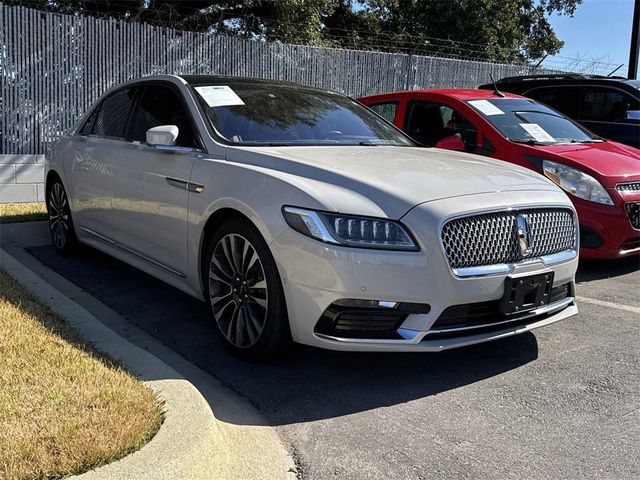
(365, 232)
(576, 182)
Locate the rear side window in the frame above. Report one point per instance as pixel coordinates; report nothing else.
(563, 99)
(385, 110)
(606, 104)
(111, 116)
(160, 105)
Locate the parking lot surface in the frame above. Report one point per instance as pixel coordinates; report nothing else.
(563, 402)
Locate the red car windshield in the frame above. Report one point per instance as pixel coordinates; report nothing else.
(526, 121)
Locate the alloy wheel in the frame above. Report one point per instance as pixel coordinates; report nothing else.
(238, 290)
(59, 218)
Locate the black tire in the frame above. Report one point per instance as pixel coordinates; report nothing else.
(61, 229)
(245, 294)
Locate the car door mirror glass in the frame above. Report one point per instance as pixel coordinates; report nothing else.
(162, 135)
(452, 142)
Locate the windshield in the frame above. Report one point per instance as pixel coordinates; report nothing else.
(526, 121)
(275, 115)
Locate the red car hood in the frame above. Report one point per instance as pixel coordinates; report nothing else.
(611, 161)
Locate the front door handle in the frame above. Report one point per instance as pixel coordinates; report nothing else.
(184, 185)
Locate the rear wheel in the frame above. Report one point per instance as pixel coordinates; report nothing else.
(61, 228)
(245, 293)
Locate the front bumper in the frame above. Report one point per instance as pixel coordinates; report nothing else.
(315, 275)
(615, 236)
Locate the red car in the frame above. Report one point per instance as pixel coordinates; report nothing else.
(601, 177)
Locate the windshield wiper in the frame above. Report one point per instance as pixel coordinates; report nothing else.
(594, 140)
(531, 142)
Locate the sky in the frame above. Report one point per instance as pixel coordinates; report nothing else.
(600, 30)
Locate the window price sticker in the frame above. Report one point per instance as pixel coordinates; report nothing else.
(538, 133)
(486, 107)
(219, 96)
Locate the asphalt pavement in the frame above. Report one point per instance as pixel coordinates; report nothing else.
(563, 402)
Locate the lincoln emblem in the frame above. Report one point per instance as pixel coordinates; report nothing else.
(524, 240)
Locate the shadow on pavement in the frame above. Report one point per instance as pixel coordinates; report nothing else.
(589, 270)
(309, 384)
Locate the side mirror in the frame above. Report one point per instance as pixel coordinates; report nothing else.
(163, 135)
(452, 142)
(632, 115)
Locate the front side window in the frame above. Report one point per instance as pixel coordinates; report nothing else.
(429, 122)
(111, 116)
(527, 121)
(385, 110)
(281, 115)
(160, 105)
(606, 104)
(563, 99)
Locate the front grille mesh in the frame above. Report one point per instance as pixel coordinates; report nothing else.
(633, 210)
(492, 238)
(628, 187)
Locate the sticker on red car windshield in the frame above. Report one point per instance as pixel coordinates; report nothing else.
(538, 133)
(219, 96)
(486, 107)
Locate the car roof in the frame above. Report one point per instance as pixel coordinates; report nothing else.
(457, 93)
(212, 79)
(231, 80)
(562, 79)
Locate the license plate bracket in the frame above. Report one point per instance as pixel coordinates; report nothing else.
(522, 294)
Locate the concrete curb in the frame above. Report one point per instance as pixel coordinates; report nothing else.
(191, 443)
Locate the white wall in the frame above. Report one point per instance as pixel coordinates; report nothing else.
(21, 178)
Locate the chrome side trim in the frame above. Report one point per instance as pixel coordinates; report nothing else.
(113, 243)
(533, 313)
(413, 339)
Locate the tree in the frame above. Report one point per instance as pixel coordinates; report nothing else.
(496, 30)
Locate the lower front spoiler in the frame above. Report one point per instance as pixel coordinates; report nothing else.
(420, 342)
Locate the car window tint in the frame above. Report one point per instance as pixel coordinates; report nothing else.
(89, 124)
(276, 115)
(160, 105)
(563, 99)
(430, 122)
(606, 104)
(112, 116)
(385, 110)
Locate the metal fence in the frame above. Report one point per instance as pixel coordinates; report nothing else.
(53, 66)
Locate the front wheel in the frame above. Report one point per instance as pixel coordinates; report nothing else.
(61, 228)
(245, 293)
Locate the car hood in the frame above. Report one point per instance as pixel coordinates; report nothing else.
(613, 162)
(394, 178)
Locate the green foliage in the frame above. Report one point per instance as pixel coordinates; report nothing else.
(496, 30)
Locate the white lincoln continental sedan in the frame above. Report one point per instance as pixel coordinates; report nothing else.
(299, 215)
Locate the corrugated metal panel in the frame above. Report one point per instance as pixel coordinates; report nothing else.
(54, 66)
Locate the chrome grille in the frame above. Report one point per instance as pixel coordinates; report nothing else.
(628, 187)
(492, 238)
(633, 210)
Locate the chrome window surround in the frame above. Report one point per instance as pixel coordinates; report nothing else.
(505, 268)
